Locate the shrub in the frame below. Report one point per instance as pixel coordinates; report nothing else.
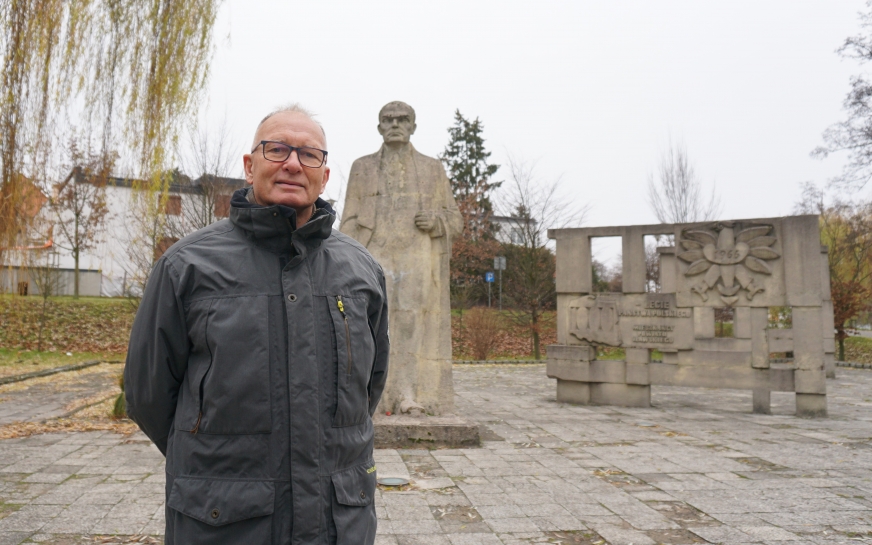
(482, 328)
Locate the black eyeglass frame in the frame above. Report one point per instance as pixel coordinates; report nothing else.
(292, 150)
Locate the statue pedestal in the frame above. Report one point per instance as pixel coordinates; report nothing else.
(403, 431)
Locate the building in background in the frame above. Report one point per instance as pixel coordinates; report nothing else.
(190, 205)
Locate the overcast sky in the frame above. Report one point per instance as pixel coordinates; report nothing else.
(592, 90)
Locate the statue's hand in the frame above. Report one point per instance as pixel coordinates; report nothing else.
(425, 220)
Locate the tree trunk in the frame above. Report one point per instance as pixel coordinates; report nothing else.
(41, 324)
(537, 354)
(460, 329)
(841, 349)
(76, 275)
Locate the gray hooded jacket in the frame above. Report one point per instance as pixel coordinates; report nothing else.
(256, 360)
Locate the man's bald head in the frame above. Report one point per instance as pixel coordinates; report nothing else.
(294, 108)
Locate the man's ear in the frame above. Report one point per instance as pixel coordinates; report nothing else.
(326, 178)
(380, 131)
(414, 126)
(246, 166)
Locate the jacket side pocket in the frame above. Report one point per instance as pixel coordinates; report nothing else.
(353, 512)
(208, 511)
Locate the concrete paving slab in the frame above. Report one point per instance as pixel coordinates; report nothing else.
(697, 467)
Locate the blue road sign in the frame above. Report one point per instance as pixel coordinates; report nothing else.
(489, 277)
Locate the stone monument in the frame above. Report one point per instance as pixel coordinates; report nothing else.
(748, 266)
(400, 206)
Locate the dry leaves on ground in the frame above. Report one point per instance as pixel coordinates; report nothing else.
(85, 325)
(119, 540)
(513, 341)
(26, 429)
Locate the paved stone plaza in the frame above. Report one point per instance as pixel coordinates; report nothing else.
(696, 468)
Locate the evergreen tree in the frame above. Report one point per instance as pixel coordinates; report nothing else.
(472, 253)
(465, 158)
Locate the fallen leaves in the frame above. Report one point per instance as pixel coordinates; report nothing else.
(26, 429)
(83, 325)
(512, 340)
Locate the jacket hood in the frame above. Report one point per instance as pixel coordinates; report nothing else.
(268, 222)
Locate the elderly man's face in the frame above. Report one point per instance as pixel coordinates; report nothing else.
(396, 126)
(288, 183)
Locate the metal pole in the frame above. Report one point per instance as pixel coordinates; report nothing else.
(488, 295)
(501, 289)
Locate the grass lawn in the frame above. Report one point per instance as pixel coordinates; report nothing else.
(857, 349)
(18, 362)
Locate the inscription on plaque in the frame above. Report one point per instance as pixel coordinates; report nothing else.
(649, 320)
(653, 320)
(653, 334)
(657, 309)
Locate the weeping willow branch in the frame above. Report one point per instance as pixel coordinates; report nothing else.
(122, 74)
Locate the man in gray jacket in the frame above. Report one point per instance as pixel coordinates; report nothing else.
(258, 356)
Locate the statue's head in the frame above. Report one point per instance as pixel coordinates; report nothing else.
(396, 123)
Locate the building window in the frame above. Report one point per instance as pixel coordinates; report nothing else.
(222, 206)
(163, 245)
(173, 205)
(516, 236)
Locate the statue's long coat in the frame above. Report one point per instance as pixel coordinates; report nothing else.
(379, 212)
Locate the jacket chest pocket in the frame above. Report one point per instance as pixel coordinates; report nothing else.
(228, 390)
(355, 351)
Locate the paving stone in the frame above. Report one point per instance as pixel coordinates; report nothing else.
(708, 470)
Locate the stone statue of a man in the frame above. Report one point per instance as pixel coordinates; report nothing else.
(399, 205)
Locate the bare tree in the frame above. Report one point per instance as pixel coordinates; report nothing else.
(854, 134)
(528, 281)
(675, 192)
(79, 205)
(42, 269)
(209, 160)
(146, 237)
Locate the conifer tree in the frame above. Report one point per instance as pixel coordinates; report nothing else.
(466, 160)
(472, 253)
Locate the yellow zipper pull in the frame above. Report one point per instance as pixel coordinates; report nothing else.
(340, 305)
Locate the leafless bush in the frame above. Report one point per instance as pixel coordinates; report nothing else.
(482, 327)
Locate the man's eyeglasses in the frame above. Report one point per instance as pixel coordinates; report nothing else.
(278, 152)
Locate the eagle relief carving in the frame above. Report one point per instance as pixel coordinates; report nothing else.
(728, 255)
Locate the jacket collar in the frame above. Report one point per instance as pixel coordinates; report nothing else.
(275, 226)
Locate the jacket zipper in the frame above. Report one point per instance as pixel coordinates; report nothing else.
(341, 307)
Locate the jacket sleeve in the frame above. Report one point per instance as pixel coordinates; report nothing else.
(157, 356)
(379, 325)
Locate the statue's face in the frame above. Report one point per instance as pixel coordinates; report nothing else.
(396, 126)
